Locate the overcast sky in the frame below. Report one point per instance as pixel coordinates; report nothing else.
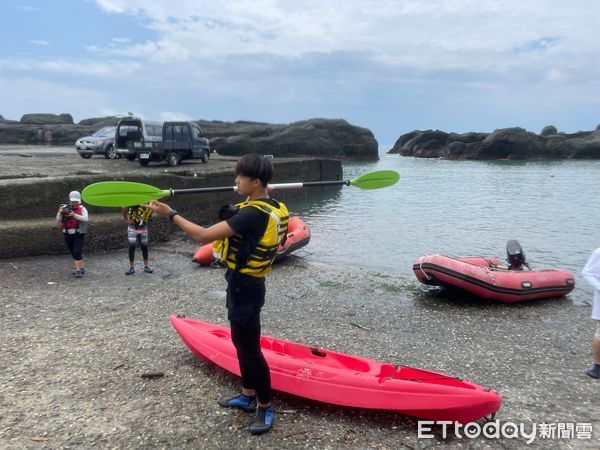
(390, 66)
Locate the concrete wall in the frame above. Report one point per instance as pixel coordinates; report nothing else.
(28, 206)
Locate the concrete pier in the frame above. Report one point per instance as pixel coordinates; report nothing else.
(35, 180)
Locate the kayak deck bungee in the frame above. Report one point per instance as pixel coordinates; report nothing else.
(347, 380)
(486, 278)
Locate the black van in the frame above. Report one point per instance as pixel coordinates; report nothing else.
(180, 140)
(133, 133)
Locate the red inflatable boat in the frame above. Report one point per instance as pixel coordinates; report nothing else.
(298, 236)
(346, 380)
(486, 278)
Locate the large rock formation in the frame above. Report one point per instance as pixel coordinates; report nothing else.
(55, 135)
(334, 138)
(47, 119)
(506, 143)
(330, 138)
(3, 120)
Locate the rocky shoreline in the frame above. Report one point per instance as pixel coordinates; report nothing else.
(75, 350)
(328, 138)
(506, 143)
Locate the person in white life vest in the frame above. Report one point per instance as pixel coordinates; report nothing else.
(591, 273)
(73, 220)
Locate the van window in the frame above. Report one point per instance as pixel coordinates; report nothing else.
(155, 130)
(105, 132)
(196, 133)
(169, 132)
(185, 133)
(177, 133)
(125, 129)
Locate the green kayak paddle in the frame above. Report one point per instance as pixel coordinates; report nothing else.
(127, 193)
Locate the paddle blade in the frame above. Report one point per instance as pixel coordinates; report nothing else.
(376, 180)
(121, 193)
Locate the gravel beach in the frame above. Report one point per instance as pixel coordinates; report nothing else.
(74, 351)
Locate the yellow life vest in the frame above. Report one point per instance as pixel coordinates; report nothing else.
(259, 261)
(139, 214)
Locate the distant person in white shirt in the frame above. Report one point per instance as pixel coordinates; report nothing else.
(591, 273)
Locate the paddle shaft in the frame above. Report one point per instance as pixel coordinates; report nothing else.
(127, 193)
(270, 187)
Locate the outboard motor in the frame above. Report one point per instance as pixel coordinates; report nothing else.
(515, 255)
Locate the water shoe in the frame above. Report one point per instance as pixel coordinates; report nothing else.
(241, 401)
(263, 421)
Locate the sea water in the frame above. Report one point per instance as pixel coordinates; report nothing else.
(458, 208)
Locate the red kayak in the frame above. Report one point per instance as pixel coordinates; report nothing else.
(298, 236)
(347, 380)
(486, 278)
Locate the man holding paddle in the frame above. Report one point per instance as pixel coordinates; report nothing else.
(248, 241)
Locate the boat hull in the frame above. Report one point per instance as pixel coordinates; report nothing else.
(346, 380)
(298, 236)
(485, 278)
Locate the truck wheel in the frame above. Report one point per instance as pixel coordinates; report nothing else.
(130, 157)
(144, 162)
(111, 153)
(173, 159)
(205, 156)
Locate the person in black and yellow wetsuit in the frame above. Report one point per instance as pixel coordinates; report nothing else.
(247, 243)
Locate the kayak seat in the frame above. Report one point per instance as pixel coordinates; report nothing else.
(220, 334)
(278, 347)
(351, 362)
(387, 372)
(274, 346)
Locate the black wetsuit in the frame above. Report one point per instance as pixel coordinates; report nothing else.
(245, 298)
